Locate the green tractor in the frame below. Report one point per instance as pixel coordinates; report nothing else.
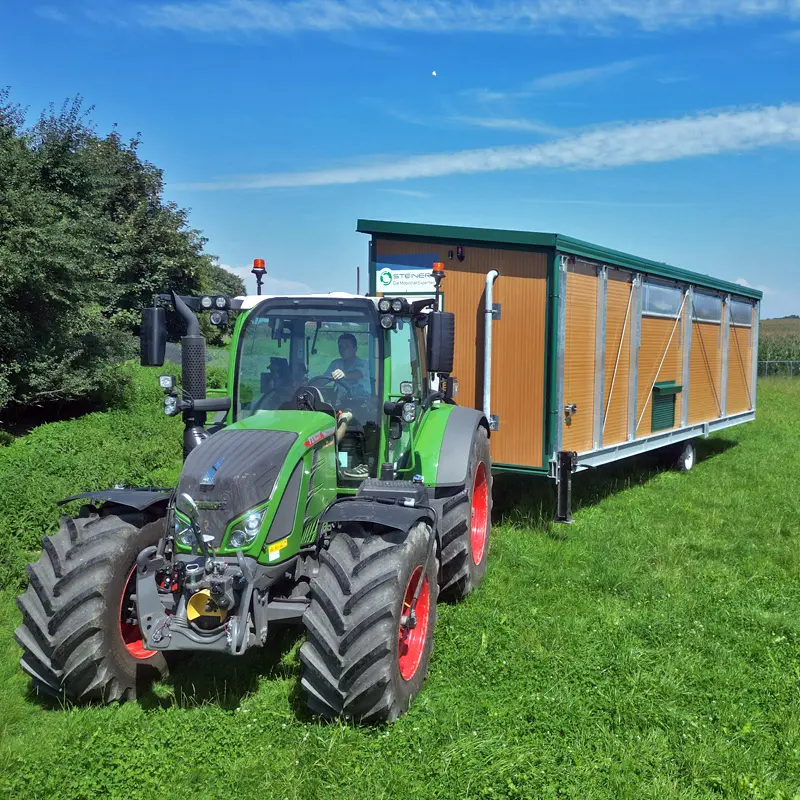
(338, 487)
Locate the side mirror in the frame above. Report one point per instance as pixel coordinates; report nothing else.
(153, 337)
(441, 341)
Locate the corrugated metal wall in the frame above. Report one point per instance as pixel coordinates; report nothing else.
(519, 339)
(579, 356)
(740, 370)
(655, 346)
(618, 357)
(705, 384)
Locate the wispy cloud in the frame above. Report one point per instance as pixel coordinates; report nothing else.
(578, 77)
(51, 13)
(556, 81)
(509, 124)
(271, 285)
(407, 192)
(765, 290)
(604, 148)
(451, 15)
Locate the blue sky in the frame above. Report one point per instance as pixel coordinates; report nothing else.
(667, 129)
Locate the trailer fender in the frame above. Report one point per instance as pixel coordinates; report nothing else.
(131, 497)
(459, 434)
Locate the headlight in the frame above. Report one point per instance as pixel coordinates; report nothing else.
(184, 533)
(221, 302)
(387, 322)
(246, 530)
(409, 412)
(397, 305)
(206, 301)
(170, 406)
(384, 305)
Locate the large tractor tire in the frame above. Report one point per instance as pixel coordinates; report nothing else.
(466, 525)
(358, 661)
(79, 634)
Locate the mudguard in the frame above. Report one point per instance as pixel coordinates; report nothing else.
(359, 509)
(139, 499)
(459, 433)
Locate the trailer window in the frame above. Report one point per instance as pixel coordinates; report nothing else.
(707, 308)
(661, 300)
(741, 314)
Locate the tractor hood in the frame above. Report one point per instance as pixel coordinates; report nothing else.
(238, 468)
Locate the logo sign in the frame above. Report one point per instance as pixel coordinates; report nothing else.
(208, 478)
(402, 280)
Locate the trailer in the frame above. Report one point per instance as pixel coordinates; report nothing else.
(579, 355)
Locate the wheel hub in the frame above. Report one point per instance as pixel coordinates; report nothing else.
(413, 625)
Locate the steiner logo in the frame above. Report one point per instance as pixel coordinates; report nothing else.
(385, 277)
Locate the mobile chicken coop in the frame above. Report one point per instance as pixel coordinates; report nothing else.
(577, 353)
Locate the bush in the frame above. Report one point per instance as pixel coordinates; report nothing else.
(136, 445)
(86, 240)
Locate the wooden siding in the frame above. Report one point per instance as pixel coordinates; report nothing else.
(740, 370)
(706, 372)
(518, 339)
(618, 355)
(579, 356)
(655, 346)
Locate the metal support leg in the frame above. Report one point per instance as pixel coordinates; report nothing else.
(567, 463)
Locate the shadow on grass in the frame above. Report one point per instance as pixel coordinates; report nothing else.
(531, 501)
(224, 680)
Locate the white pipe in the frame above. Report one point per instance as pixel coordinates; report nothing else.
(488, 311)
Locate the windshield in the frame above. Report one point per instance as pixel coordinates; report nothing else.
(283, 350)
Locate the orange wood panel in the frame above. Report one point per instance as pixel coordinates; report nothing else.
(706, 372)
(579, 356)
(518, 339)
(740, 370)
(618, 356)
(655, 346)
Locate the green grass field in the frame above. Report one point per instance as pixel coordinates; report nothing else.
(651, 650)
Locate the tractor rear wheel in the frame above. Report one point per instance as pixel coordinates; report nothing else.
(79, 634)
(466, 526)
(360, 660)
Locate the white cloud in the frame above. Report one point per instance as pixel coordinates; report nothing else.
(50, 13)
(275, 286)
(407, 192)
(765, 290)
(603, 148)
(577, 77)
(452, 15)
(509, 124)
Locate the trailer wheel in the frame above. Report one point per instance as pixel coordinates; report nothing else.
(686, 457)
(466, 526)
(359, 660)
(79, 635)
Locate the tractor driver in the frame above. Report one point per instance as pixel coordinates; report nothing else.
(350, 370)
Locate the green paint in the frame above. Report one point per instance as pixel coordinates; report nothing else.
(552, 412)
(564, 244)
(428, 444)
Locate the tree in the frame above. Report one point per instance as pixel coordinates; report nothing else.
(86, 240)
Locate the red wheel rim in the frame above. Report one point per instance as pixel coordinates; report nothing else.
(411, 644)
(480, 513)
(132, 634)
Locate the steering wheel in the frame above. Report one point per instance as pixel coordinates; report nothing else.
(326, 380)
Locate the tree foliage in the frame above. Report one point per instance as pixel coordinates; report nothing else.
(86, 240)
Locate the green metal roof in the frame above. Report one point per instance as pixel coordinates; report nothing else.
(565, 244)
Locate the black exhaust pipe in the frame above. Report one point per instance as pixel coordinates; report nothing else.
(193, 376)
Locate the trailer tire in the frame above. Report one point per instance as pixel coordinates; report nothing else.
(72, 611)
(466, 526)
(356, 661)
(686, 456)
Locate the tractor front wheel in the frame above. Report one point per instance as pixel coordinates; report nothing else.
(79, 634)
(366, 653)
